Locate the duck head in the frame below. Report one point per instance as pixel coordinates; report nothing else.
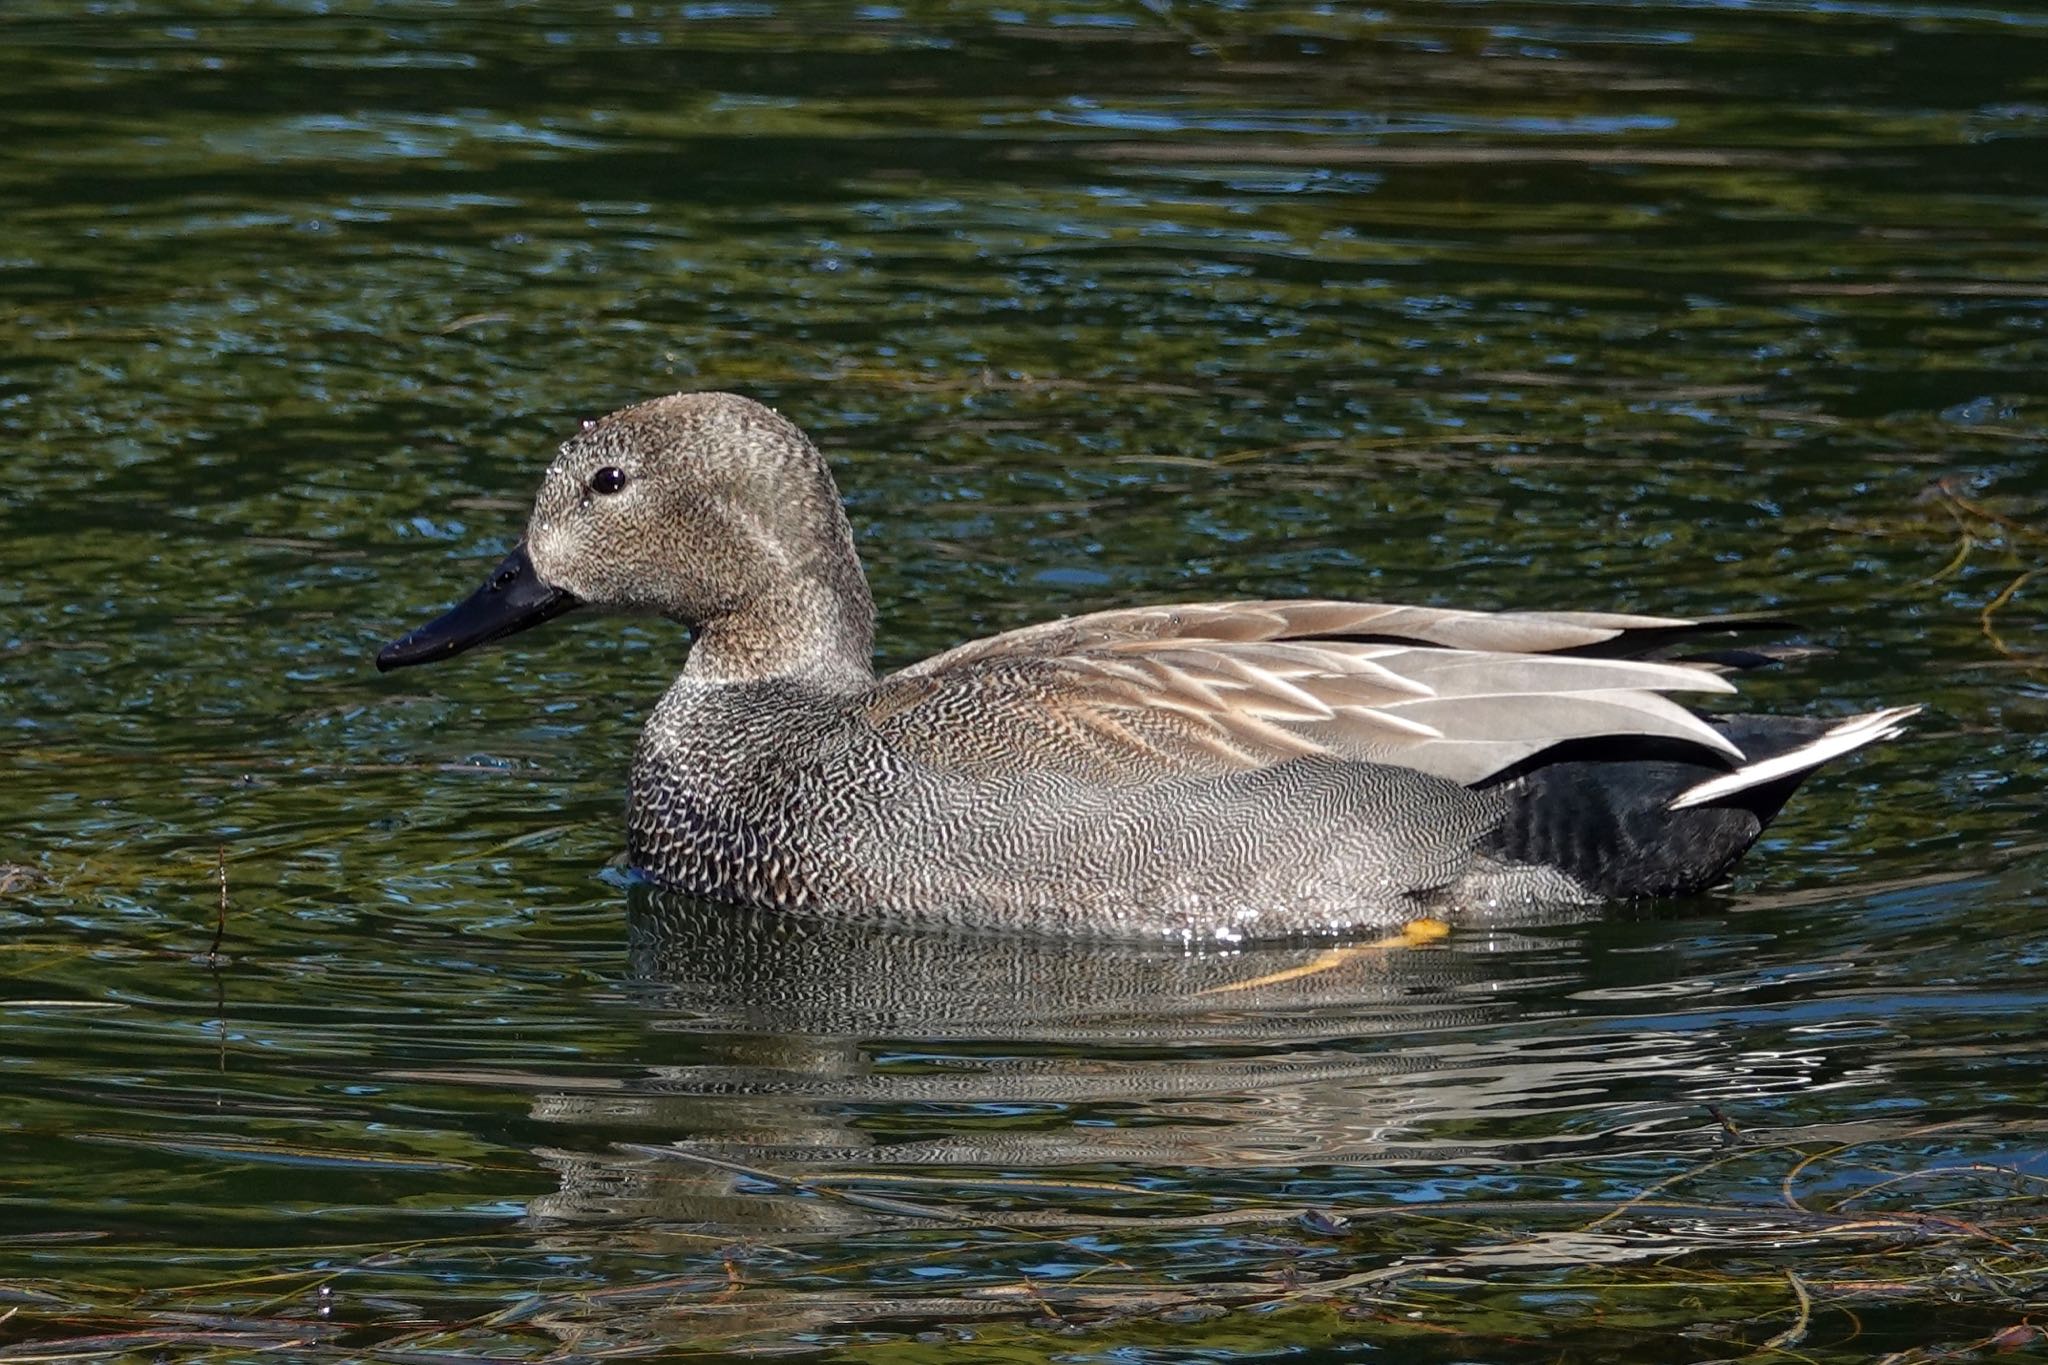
(708, 509)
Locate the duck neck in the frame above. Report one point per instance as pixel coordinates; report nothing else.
(811, 630)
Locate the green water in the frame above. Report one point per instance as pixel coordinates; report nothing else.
(1668, 306)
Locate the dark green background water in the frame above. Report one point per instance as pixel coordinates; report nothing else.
(1668, 306)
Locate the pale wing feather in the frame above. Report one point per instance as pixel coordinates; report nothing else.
(1255, 683)
(1480, 736)
(1511, 632)
(1452, 713)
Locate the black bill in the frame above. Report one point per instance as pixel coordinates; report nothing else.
(511, 599)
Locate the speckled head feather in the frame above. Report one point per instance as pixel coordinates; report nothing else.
(722, 516)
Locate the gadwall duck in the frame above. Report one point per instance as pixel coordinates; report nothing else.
(1215, 771)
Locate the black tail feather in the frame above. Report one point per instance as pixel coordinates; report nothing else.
(1601, 813)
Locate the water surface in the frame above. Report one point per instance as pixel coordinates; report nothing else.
(1667, 307)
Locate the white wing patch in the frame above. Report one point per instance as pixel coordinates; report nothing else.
(1852, 733)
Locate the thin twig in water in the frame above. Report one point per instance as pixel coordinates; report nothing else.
(1974, 1167)
(1945, 487)
(1648, 1193)
(213, 965)
(220, 919)
(1796, 1333)
(1992, 607)
(1967, 543)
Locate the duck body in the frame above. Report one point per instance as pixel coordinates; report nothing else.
(803, 800)
(1211, 771)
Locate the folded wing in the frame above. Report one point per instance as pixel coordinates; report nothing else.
(1235, 685)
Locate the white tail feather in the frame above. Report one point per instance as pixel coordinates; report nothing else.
(1852, 733)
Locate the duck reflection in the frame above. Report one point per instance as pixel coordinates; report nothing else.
(825, 1047)
(798, 976)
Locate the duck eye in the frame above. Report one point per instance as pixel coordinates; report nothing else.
(610, 479)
